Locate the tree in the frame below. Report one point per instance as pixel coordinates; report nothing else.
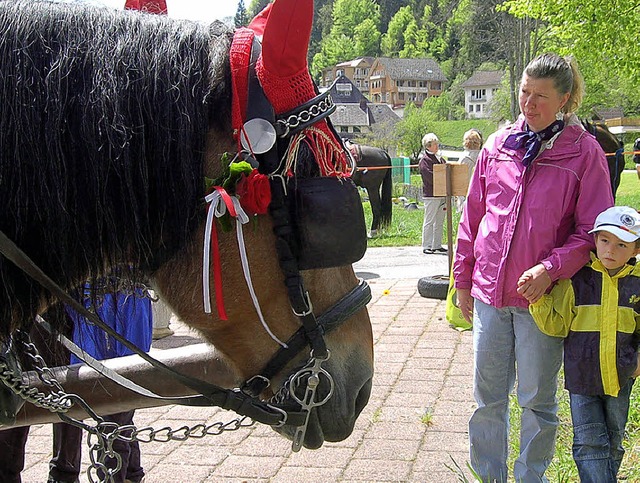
(411, 129)
(603, 31)
(443, 107)
(367, 38)
(393, 41)
(347, 36)
(500, 106)
(388, 8)
(382, 135)
(256, 6)
(242, 18)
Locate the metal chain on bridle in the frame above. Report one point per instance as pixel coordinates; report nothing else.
(102, 434)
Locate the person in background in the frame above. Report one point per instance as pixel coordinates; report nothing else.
(434, 206)
(471, 142)
(601, 328)
(64, 466)
(534, 195)
(129, 313)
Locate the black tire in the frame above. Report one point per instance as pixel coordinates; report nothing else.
(434, 287)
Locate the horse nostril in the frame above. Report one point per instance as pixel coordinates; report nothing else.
(363, 397)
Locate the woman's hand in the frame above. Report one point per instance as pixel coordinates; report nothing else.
(533, 283)
(465, 303)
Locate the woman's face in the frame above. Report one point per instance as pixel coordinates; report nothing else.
(540, 101)
(433, 147)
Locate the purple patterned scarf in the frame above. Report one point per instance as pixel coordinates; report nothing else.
(532, 140)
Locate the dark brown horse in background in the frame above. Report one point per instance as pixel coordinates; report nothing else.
(376, 181)
(612, 146)
(109, 123)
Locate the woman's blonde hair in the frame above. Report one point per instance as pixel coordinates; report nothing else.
(472, 139)
(565, 74)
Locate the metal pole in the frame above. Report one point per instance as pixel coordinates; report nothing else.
(107, 397)
(449, 183)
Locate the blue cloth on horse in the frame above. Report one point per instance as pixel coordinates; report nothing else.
(532, 140)
(128, 314)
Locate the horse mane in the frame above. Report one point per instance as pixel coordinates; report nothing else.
(102, 137)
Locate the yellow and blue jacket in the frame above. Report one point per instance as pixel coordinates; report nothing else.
(599, 316)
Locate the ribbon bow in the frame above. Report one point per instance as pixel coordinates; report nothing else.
(219, 203)
(532, 140)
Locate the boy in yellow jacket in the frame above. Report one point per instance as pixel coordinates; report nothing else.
(598, 313)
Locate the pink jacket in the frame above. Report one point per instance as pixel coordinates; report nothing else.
(515, 217)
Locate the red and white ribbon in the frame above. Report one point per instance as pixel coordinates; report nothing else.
(219, 203)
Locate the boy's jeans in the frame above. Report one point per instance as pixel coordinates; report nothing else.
(598, 431)
(506, 343)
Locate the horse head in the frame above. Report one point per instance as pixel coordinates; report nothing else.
(103, 164)
(283, 77)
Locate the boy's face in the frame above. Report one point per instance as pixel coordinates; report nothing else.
(614, 252)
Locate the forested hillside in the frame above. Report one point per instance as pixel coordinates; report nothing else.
(464, 35)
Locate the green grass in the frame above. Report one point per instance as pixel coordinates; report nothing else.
(629, 190)
(562, 468)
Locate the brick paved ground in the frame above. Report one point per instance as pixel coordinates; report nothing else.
(413, 430)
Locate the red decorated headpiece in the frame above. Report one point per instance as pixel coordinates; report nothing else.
(285, 28)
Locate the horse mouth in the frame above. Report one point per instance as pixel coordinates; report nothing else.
(330, 422)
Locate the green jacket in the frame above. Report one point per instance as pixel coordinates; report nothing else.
(599, 316)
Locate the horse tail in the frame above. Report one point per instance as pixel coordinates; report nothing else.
(385, 197)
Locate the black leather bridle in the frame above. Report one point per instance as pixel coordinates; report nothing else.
(245, 400)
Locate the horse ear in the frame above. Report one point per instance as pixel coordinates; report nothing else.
(286, 36)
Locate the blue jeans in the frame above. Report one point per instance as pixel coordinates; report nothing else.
(507, 344)
(598, 431)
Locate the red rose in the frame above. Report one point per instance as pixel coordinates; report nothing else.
(254, 192)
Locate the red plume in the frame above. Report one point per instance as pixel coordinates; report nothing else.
(285, 27)
(149, 6)
(282, 68)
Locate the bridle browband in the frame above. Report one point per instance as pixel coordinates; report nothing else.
(244, 400)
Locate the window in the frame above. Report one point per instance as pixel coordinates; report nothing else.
(470, 107)
(436, 85)
(344, 129)
(357, 129)
(344, 90)
(477, 107)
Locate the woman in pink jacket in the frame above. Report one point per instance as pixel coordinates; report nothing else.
(538, 186)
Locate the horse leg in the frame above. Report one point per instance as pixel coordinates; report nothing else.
(386, 205)
(376, 209)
